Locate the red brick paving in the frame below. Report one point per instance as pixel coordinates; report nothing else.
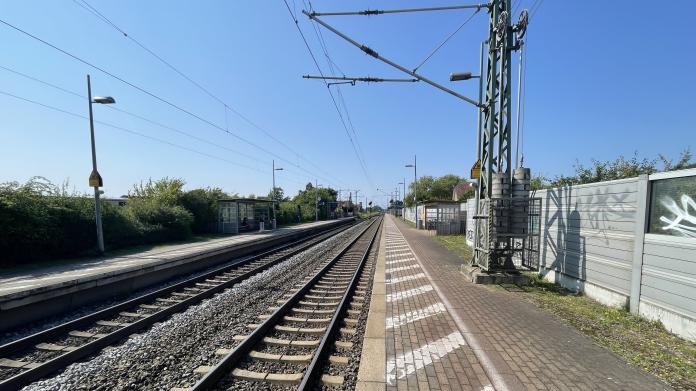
(508, 340)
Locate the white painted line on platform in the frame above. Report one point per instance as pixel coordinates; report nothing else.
(409, 362)
(499, 382)
(401, 268)
(401, 261)
(397, 280)
(409, 293)
(412, 316)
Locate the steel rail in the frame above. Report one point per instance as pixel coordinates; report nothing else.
(224, 367)
(67, 358)
(311, 373)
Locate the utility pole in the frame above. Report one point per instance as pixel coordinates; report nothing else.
(316, 200)
(273, 194)
(403, 199)
(357, 203)
(415, 185)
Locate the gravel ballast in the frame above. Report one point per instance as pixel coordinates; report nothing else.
(166, 355)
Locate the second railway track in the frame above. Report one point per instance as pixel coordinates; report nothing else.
(38, 355)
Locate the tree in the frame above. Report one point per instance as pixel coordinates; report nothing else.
(167, 191)
(432, 189)
(276, 194)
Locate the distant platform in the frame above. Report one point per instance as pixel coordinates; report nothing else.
(53, 289)
(430, 328)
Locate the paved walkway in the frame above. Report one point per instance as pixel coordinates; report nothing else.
(444, 333)
(29, 282)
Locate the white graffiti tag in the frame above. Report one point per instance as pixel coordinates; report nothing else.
(681, 214)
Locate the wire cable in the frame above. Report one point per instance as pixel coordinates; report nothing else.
(127, 130)
(331, 63)
(333, 99)
(533, 11)
(84, 4)
(432, 53)
(163, 100)
(138, 116)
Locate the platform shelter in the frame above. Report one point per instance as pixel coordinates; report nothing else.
(237, 215)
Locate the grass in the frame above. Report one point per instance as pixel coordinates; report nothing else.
(643, 343)
(456, 244)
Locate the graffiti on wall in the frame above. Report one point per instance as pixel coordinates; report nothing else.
(683, 221)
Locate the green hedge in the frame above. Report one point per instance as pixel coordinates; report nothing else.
(40, 221)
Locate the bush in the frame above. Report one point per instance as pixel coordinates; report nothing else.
(203, 205)
(41, 221)
(160, 222)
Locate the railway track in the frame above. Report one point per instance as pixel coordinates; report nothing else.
(292, 343)
(36, 356)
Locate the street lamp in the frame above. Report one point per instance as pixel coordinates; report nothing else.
(415, 185)
(459, 76)
(273, 193)
(95, 180)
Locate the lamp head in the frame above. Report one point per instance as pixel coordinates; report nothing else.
(458, 76)
(105, 100)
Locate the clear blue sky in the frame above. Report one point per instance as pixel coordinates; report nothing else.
(604, 78)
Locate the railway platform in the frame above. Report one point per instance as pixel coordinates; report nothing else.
(430, 329)
(31, 295)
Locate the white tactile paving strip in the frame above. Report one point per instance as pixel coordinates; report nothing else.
(423, 341)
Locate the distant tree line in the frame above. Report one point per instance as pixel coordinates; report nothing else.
(43, 221)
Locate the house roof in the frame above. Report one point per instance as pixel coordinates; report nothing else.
(246, 200)
(461, 189)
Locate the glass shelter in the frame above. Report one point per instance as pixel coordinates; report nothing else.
(243, 214)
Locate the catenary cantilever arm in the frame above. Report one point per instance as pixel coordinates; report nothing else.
(376, 55)
(364, 79)
(404, 10)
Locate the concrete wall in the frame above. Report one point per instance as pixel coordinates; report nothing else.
(588, 238)
(595, 240)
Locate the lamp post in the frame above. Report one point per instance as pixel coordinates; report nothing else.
(95, 180)
(403, 198)
(273, 193)
(415, 184)
(479, 129)
(316, 200)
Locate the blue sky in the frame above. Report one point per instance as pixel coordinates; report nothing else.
(603, 79)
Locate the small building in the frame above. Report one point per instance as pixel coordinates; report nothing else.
(444, 217)
(237, 215)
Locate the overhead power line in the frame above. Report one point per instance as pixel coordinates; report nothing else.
(331, 63)
(76, 115)
(85, 5)
(142, 118)
(333, 99)
(432, 53)
(163, 100)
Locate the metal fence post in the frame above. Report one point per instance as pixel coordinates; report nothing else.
(641, 225)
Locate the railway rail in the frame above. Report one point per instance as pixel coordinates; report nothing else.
(36, 356)
(293, 342)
